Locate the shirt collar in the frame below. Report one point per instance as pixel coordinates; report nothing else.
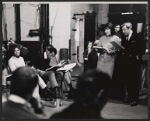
(17, 99)
(130, 34)
(45, 55)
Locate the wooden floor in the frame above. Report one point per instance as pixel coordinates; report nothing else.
(114, 109)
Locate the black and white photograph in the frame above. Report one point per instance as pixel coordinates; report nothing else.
(75, 60)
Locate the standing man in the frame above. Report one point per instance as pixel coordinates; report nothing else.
(134, 49)
(117, 30)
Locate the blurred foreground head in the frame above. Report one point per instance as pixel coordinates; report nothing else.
(93, 87)
(24, 80)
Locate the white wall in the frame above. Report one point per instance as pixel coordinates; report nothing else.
(8, 17)
(102, 13)
(60, 21)
(100, 9)
(29, 19)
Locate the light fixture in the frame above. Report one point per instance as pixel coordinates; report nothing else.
(127, 13)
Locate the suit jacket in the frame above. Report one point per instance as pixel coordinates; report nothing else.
(92, 60)
(40, 63)
(11, 110)
(134, 46)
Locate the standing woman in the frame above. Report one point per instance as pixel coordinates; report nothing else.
(106, 59)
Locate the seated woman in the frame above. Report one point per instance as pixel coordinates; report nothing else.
(17, 61)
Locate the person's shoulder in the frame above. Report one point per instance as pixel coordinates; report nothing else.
(21, 58)
(115, 36)
(11, 59)
(102, 37)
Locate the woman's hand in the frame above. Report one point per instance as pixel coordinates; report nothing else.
(110, 51)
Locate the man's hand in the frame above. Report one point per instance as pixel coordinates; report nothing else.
(63, 62)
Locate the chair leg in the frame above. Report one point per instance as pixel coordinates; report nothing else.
(58, 103)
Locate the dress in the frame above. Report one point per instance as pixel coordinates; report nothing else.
(106, 61)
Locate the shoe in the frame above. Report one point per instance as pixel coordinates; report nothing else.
(48, 95)
(38, 110)
(72, 93)
(56, 92)
(126, 101)
(134, 103)
(35, 104)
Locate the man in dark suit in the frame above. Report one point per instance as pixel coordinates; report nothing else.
(41, 63)
(92, 96)
(134, 49)
(24, 81)
(92, 59)
(46, 60)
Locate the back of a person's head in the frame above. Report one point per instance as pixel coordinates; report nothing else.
(24, 80)
(91, 83)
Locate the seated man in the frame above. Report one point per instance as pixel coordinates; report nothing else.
(46, 60)
(24, 82)
(53, 62)
(92, 96)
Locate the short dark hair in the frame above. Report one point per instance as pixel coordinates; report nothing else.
(111, 27)
(49, 46)
(12, 49)
(24, 80)
(52, 50)
(91, 82)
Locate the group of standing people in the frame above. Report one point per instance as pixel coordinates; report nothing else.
(130, 54)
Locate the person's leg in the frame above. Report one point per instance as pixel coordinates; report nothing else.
(50, 75)
(68, 79)
(4, 74)
(52, 79)
(36, 101)
(71, 93)
(44, 87)
(135, 83)
(41, 82)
